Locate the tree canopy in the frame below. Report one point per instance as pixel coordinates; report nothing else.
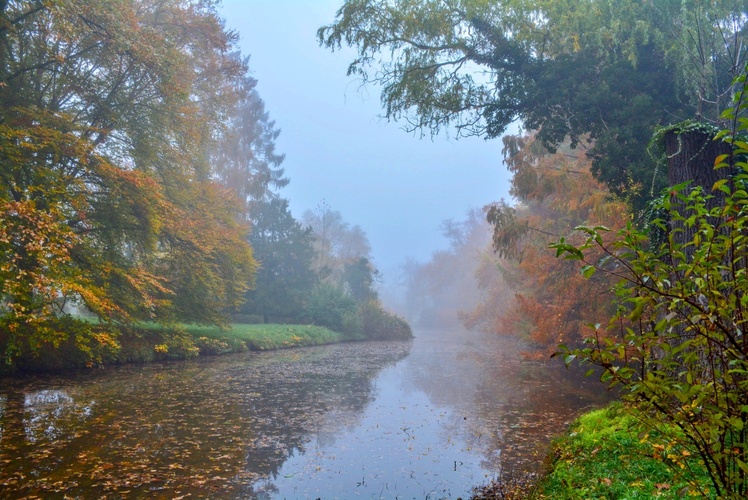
(108, 113)
(603, 73)
(336, 242)
(286, 254)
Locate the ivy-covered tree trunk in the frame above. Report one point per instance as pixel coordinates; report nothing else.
(691, 155)
(690, 158)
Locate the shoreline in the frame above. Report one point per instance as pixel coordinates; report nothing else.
(151, 343)
(606, 453)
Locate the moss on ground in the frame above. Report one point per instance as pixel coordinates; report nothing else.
(609, 454)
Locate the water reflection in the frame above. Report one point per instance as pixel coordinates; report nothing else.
(206, 428)
(513, 406)
(378, 420)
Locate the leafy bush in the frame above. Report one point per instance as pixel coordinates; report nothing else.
(328, 306)
(677, 343)
(57, 343)
(378, 324)
(213, 347)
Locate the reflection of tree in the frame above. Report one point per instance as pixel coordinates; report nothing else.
(544, 398)
(294, 402)
(46, 409)
(215, 425)
(511, 406)
(46, 418)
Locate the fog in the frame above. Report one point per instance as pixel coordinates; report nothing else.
(397, 186)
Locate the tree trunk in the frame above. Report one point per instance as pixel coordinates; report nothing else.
(690, 158)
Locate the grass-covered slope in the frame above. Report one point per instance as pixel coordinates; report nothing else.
(609, 454)
(147, 343)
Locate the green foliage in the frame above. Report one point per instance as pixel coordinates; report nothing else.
(677, 344)
(328, 306)
(603, 73)
(586, 462)
(333, 308)
(378, 324)
(359, 277)
(285, 251)
(57, 343)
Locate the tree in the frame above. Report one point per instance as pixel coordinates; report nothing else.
(244, 158)
(552, 301)
(603, 73)
(437, 290)
(359, 278)
(345, 299)
(107, 112)
(285, 252)
(336, 242)
(676, 343)
(330, 306)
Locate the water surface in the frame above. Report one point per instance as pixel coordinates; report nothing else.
(430, 418)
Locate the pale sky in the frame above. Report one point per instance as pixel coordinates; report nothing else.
(396, 186)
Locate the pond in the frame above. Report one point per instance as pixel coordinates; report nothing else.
(430, 418)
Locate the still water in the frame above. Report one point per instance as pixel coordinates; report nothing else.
(431, 418)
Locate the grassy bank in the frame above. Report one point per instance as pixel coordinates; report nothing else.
(148, 343)
(264, 337)
(608, 454)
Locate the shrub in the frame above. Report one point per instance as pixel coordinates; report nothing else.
(677, 343)
(378, 324)
(328, 306)
(212, 347)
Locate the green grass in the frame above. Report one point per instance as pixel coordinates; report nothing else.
(186, 341)
(148, 342)
(608, 454)
(267, 336)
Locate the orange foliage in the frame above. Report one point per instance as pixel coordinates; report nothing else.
(556, 192)
(108, 111)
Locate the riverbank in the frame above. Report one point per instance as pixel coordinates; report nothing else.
(607, 453)
(148, 343)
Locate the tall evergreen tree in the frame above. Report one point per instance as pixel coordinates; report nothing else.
(285, 251)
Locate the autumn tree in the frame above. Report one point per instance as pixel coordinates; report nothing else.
(108, 111)
(336, 242)
(600, 73)
(552, 301)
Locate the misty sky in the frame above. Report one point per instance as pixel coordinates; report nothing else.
(397, 187)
